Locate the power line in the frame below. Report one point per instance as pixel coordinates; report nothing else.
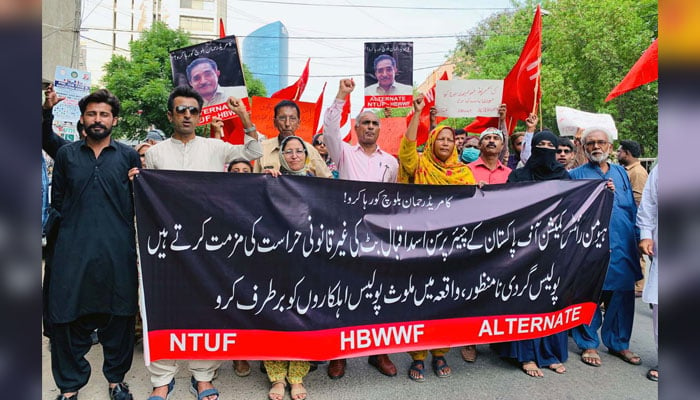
(383, 7)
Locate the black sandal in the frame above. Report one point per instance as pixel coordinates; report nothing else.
(415, 367)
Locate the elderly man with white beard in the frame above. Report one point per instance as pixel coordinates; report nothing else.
(623, 269)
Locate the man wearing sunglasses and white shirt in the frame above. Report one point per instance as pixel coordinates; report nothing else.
(187, 151)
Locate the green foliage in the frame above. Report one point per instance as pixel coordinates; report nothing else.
(587, 48)
(255, 86)
(144, 82)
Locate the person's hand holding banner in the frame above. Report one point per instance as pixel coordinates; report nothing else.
(51, 98)
(418, 104)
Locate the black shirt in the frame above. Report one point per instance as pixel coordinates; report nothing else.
(94, 264)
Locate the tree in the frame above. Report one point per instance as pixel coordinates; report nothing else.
(144, 82)
(587, 48)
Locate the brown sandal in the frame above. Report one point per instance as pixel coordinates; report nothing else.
(469, 353)
(299, 391)
(532, 370)
(591, 354)
(277, 393)
(559, 368)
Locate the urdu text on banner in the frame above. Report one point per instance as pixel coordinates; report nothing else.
(247, 266)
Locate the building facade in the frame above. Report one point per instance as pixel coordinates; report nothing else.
(265, 52)
(108, 26)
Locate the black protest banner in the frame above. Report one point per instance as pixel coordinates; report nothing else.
(247, 266)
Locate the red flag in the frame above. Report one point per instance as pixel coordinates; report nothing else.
(344, 116)
(645, 70)
(424, 126)
(221, 28)
(319, 106)
(294, 91)
(521, 89)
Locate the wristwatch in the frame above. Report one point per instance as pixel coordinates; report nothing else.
(248, 130)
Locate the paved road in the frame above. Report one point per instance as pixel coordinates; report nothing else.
(488, 378)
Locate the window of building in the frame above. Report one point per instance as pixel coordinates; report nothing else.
(194, 4)
(197, 24)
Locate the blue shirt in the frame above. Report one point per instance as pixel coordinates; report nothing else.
(624, 269)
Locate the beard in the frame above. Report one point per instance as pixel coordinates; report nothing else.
(90, 131)
(598, 158)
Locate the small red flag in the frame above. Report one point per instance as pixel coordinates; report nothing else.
(424, 125)
(645, 70)
(319, 105)
(294, 91)
(222, 33)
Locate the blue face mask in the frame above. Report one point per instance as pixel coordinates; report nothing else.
(470, 154)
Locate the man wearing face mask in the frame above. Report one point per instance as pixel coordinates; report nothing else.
(470, 150)
(93, 282)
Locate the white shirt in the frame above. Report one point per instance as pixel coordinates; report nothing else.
(200, 154)
(647, 221)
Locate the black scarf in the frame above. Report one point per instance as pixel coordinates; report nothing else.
(542, 164)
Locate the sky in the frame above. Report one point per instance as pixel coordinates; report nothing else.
(333, 34)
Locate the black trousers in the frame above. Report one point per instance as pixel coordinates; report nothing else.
(70, 343)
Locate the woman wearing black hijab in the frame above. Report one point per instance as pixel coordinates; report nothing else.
(542, 164)
(549, 351)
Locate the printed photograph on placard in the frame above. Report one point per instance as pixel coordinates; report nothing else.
(388, 74)
(214, 70)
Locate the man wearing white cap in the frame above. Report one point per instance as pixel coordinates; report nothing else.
(488, 168)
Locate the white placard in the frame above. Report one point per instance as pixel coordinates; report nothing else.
(570, 119)
(468, 97)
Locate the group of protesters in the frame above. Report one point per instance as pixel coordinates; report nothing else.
(91, 280)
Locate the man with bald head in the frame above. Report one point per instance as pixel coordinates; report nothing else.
(364, 161)
(623, 268)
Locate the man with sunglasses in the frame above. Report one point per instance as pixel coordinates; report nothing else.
(184, 150)
(566, 151)
(287, 120)
(623, 268)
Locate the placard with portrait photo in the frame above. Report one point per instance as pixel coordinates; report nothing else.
(215, 71)
(388, 74)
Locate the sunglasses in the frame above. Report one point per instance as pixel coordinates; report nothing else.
(565, 151)
(192, 109)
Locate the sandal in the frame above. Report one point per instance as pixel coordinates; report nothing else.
(590, 354)
(171, 386)
(559, 368)
(417, 366)
(653, 377)
(297, 392)
(204, 393)
(469, 353)
(439, 369)
(277, 393)
(532, 370)
(242, 372)
(627, 356)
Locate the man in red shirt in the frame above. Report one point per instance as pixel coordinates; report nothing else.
(488, 169)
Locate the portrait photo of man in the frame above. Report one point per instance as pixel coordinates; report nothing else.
(385, 73)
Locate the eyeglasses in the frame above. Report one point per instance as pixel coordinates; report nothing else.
(565, 151)
(294, 151)
(192, 109)
(599, 143)
(291, 119)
